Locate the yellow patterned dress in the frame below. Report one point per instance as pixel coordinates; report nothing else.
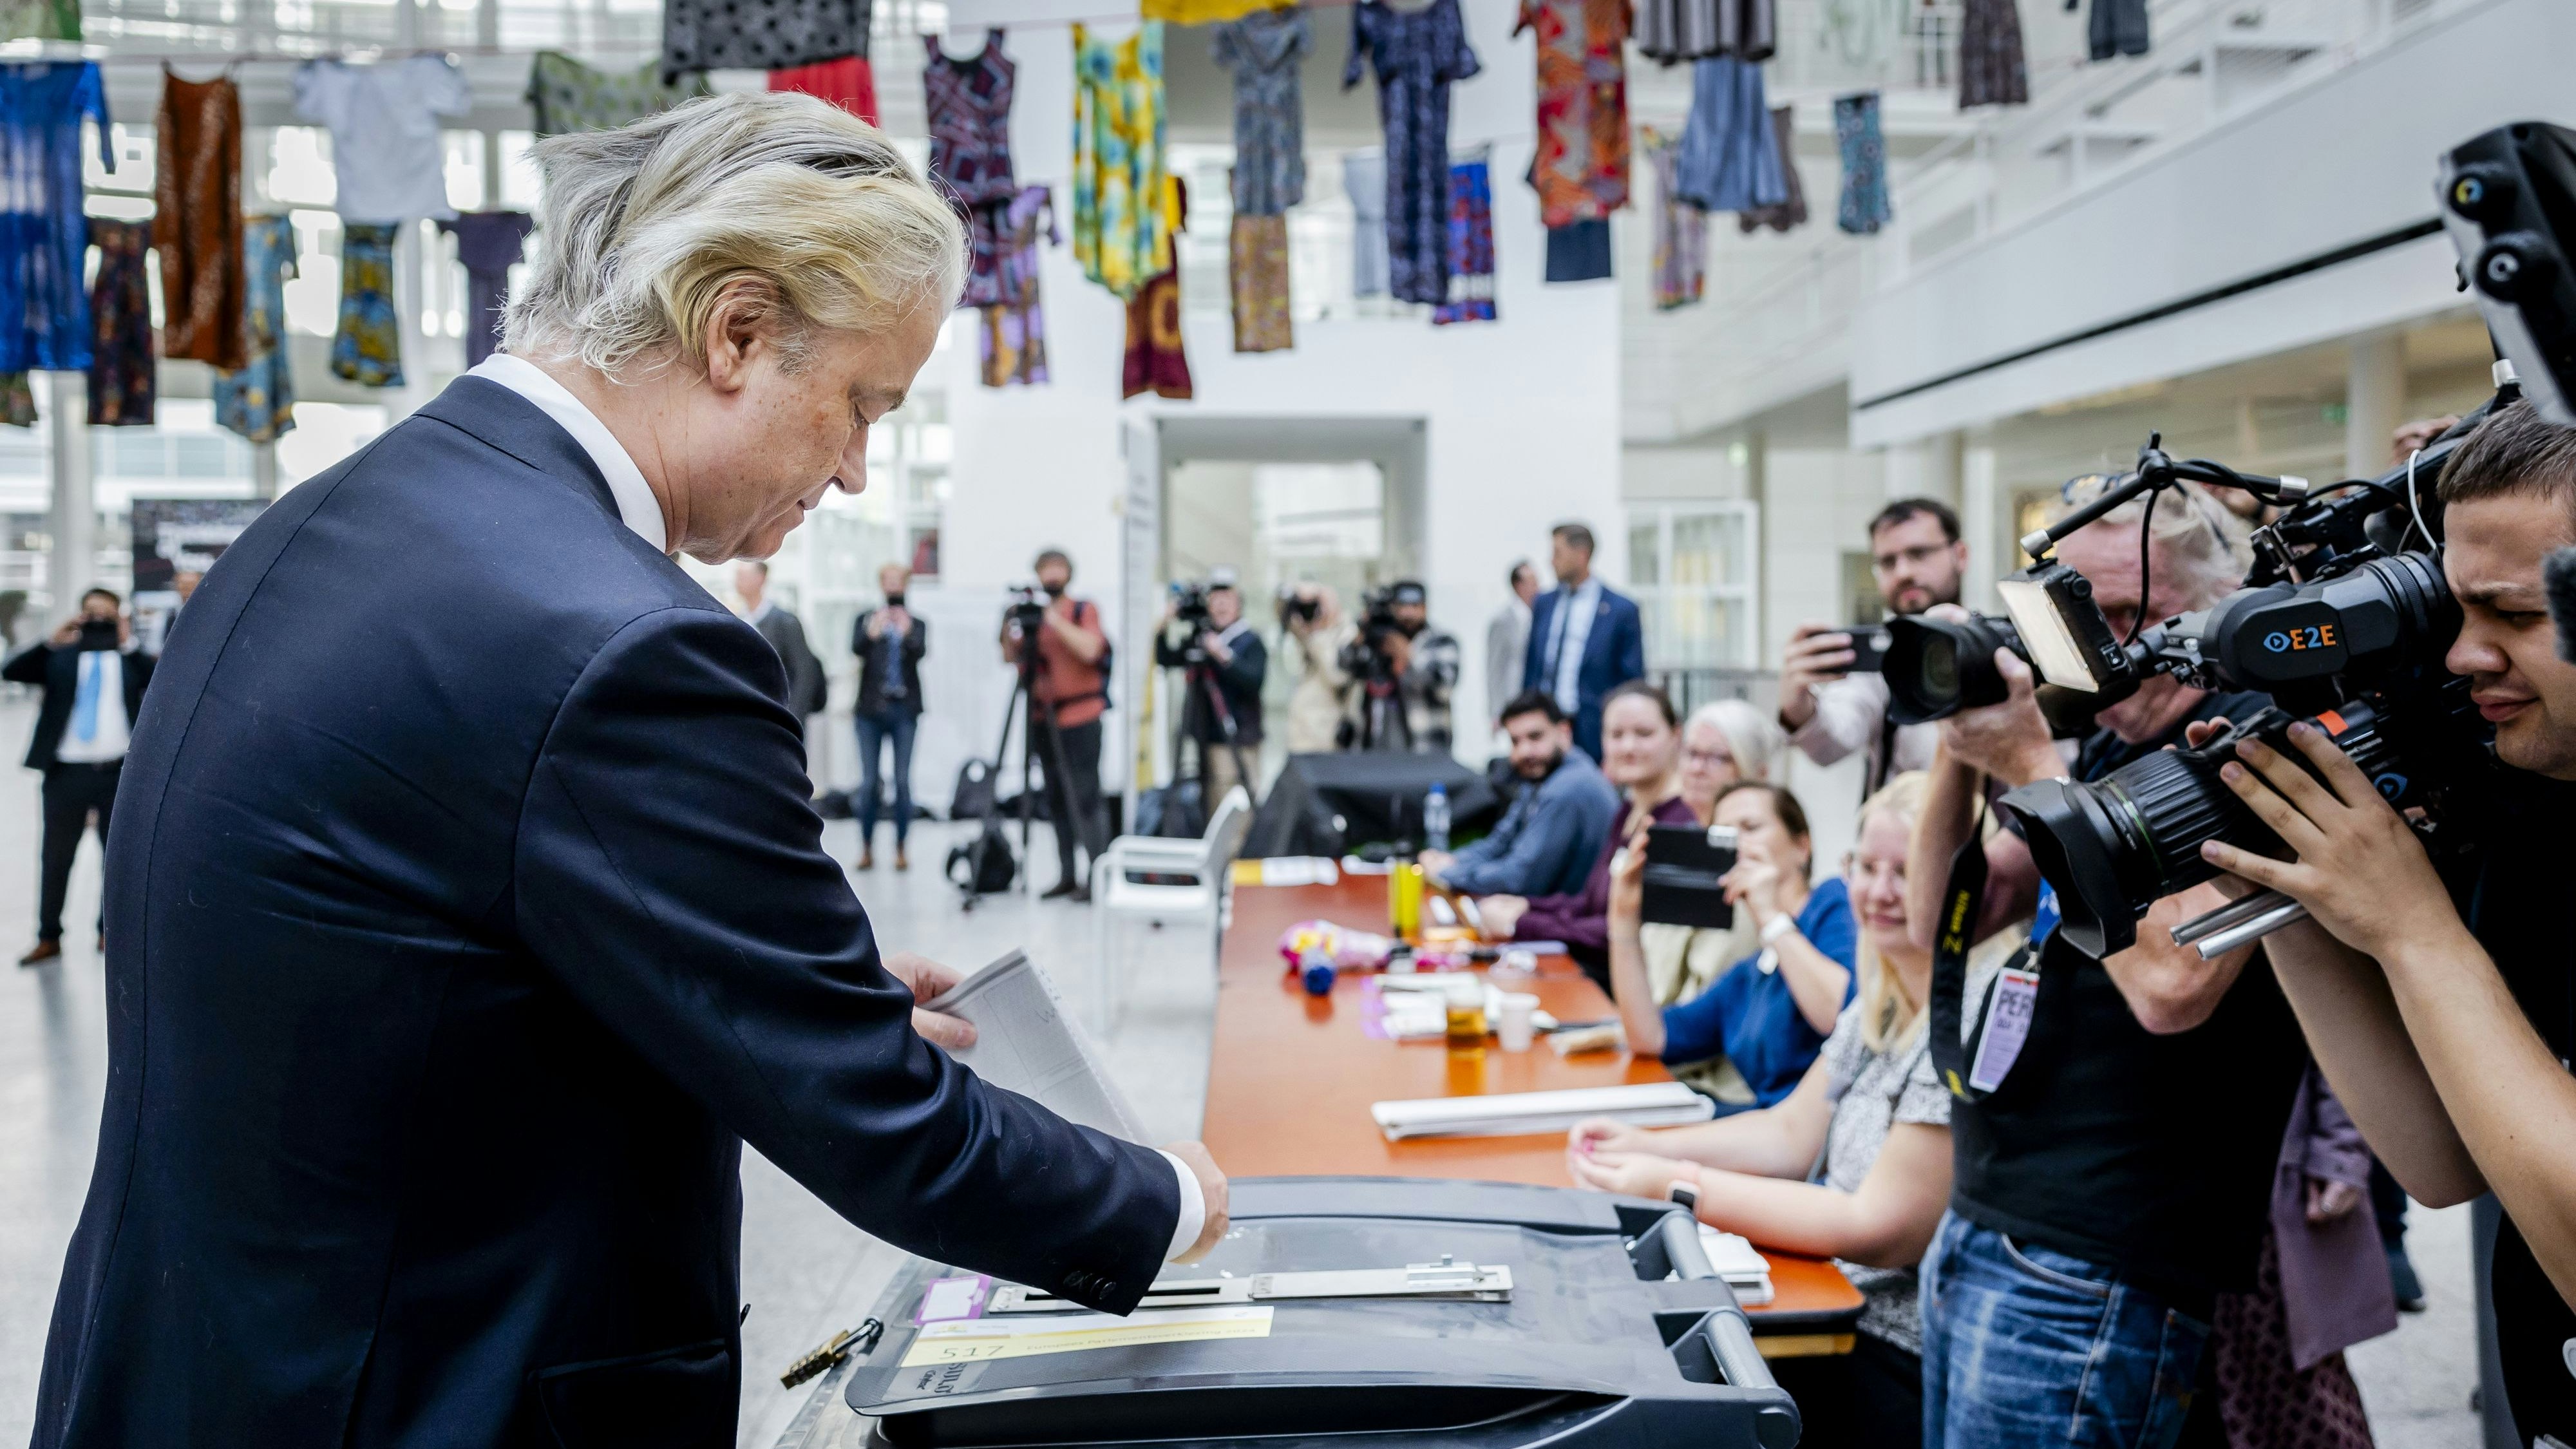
(1120, 236)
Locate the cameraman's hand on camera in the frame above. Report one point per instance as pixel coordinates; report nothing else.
(68, 635)
(2011, 740)
(1215, 647)
(1817, 654)
(1753, 884)
(2356, 865)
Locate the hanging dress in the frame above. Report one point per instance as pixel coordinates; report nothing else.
(1678, 30)
(39, 20)
(1261, 51)
(1013, 334)
(488, 244)
(258, 401)
(1681, 229)
(367, 348)
(1864, 206)
(1416, 56)
(197, 219)
(1730, 159)
(1364, 178)
(1580, 169)
(1471, 244)
(120, 367)
(1991, 70)
(968, 105)
(1156, 361)
(702, 35)
(44, 238)
(1791, 213)
(1122, 233)
(569, 96)
(847, 83)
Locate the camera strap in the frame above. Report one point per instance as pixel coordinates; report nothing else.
(2004, 1015)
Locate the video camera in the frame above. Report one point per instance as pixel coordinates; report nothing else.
(1190, 605)
(2343, 620)
(1367, 657)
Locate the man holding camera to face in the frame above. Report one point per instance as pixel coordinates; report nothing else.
(2115, 1157)
(1829, 707)
(93, 677)
(2439, 997)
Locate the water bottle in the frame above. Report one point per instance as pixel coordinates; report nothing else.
(1435, 818)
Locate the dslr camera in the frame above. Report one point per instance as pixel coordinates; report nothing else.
(1367, 657)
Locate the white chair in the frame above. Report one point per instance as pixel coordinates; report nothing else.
(1193, 885)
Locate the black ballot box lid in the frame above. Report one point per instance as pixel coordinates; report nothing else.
(1341, 1311)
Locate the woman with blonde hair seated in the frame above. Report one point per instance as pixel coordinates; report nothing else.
(1871, 1108)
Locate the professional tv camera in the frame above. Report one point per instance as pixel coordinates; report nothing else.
(1370, 659)
(2343, 620)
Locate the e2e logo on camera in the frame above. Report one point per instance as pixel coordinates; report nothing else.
(2301, 639)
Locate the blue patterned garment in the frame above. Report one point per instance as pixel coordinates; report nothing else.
(1471, 245)
(1417, 55)
(258, 402)
(1864, 207)
(1730, 157)
(367, 349)
(44, 238)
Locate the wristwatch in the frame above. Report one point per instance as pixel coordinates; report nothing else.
(1686, 1193)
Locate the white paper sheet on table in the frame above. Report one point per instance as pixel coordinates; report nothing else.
(1027, 1041)
(1644, 1104)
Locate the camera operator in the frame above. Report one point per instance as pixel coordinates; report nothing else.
(1221, 654)
(1066, 698)
(1425, 661)
(2438, 999)
(1318, 633)
(1917, 558)
(2117, 1175)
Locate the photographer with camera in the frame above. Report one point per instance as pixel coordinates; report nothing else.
(1068, 691)
(1425, 661)
(2118, 1131)
(1917, 558)
(1311, 617)
(1224, 663)
(2436, 996)
(93, 678)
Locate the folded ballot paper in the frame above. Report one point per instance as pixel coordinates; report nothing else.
(1027, 1041)
(1740, 1263)
(1511, 1114)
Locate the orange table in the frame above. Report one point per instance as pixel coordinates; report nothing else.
(1291, 1078)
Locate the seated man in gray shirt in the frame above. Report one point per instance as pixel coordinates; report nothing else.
(1546, 842)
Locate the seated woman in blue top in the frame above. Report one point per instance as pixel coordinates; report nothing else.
(1769, 1013)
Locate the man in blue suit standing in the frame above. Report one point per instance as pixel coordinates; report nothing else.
(467, 911)
(1584, 640)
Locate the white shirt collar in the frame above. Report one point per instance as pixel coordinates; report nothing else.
(636, 504)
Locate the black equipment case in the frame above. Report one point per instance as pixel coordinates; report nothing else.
(1343, 1312)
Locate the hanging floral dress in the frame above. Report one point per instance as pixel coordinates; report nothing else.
(1121, 235)
(1416, 56)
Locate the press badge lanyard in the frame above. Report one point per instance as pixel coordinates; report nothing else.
(2004, 1016)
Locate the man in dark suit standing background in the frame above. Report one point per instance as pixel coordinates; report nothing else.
(1585, 640)
(807, 689)
(468, 910)
(93, 679)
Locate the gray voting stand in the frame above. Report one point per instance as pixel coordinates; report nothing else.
(1398, 1311)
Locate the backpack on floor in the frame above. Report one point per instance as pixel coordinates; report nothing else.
(990, 866)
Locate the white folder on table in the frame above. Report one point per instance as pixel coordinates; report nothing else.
(1507, 1114)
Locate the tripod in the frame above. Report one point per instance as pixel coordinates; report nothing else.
(1199, 680)
(1383, 722)
(1023, 688)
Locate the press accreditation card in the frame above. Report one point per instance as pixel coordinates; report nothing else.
(2008, 1015)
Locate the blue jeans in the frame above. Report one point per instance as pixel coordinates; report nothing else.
(876, 730)
(2028, 1348)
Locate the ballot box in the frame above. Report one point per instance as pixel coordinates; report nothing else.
(1338, 1311)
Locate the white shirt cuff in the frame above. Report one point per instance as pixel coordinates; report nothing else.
(1185, 1233)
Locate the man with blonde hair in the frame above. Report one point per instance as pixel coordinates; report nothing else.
(493, 916)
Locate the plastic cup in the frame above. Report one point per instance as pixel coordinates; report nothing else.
(1518, 1026)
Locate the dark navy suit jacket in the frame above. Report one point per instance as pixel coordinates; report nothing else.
(466, 914)
(57, 668)
(1613, 653)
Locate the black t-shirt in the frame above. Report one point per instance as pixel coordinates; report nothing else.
(2152, 1155)
(2511, 875)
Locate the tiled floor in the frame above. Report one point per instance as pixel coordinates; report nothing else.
(805, 1272)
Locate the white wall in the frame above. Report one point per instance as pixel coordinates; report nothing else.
(1521, 415)
(2323, 166)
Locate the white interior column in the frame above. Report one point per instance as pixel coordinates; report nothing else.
(263, 470)
(73, 522)
(1981, 523)
(2374, 399)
